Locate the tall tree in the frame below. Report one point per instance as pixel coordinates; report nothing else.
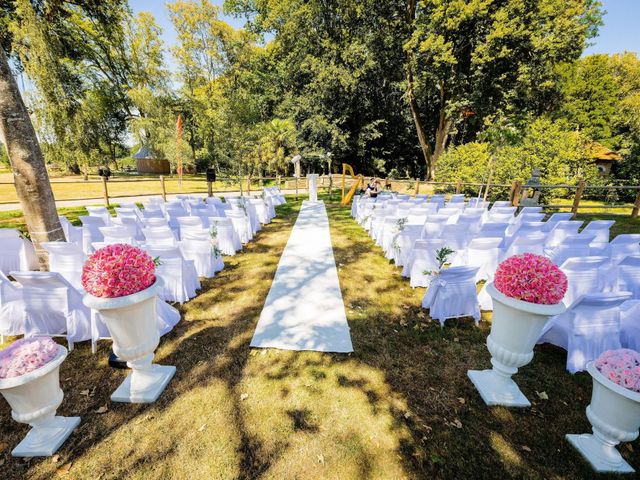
(469, 59)
(29, 171)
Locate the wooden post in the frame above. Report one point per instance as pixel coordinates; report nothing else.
(164, 190)
(636, 206)
(249, 185)
(486, 192)
(516, 188)
(330, 185)
(512, 192)
(576, 199)
(458, 186)
(296, 188)
(278, 182)
(106, 191)
(415, 194)
(210, 189)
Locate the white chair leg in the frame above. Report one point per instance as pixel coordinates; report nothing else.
(70, 343)
(94, 346)
(1, 338)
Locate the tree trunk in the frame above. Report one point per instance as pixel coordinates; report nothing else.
(442, 135)
(411, 99)
(29, 172)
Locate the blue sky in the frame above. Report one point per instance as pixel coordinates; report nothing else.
(620, 29)
(619, 32)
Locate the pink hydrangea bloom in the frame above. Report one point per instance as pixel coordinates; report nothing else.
(622, 367)
(26, 355)
(531, 278)
(118, 270)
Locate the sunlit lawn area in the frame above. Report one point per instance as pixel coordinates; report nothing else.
(73, 187)
(400, 406)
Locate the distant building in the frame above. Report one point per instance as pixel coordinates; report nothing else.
(603, 157)
(147, 162)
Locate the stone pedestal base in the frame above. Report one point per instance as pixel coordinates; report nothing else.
(148, 391)
(44, 441)
(497, 390)
(602, 457)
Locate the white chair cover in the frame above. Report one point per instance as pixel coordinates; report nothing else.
(54, 307)
(422, 259)
(630, 325)
(560, 231)
(500, 204)
(100, 212)
(240, 225)
(160, 236)
(72, 233)
(67, 259)
(200, 251)
(228, 241)
(584, 275)
(453, 294)
(403, 244)
(117, 234)
(13, 316)
(591, 327)
(571, 246)
(555, 218)
(493, 230)
(628, 271)
(17, 253)
(179, 276)
(482, 253)
(624, 245)
(91, 232)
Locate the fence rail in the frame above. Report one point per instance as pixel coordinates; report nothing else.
(166, 185)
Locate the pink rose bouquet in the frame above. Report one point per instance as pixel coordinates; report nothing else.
(118, 270)
(26, 355)
(622, 367)
(531, 278)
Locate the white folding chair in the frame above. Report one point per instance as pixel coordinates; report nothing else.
(240, 225)
(493, 230)
(17, 253)
(178, 275)
(584, 275)
(588, 329)
(13, 317)
(117, 234)
(571, 246)
(200, 251)
(526, 243)
(630, 325)
(160, 237)
(600, 229)
(452, 294)
(422, 264)
(228, 240)
(560, 231)
(433, 227)
(623, 245)
(628, 273)
(91, 232)
(100, 212)
(67, 259)
(72, 233)
(54, 307)
(500, 204)
(555, 218)
(482, 253)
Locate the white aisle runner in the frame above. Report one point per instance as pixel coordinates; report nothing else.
(304, 309)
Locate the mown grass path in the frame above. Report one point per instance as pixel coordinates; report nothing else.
(400, 406)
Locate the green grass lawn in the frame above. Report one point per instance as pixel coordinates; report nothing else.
(400, 406)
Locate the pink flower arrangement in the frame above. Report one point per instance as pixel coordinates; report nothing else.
(118, 270)
(26, 355)
(531, 278)
(622, 367)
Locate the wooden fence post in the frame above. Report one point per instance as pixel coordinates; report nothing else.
(636, 206)
(458, 186)
(164, 190)
(576, 199)
(486, 192)
(515, 192)
(106, 191)
(249, 185)
(417, 187)
(330, 185)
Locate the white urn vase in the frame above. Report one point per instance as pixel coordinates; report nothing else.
(131, 321)
(515, 329)
(34, 398)
(614, 414)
